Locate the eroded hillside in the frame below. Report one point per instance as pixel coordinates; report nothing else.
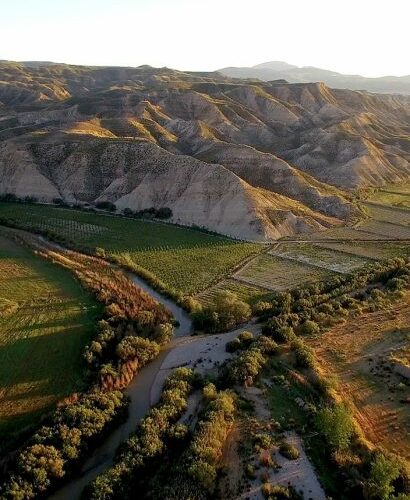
(251, 159)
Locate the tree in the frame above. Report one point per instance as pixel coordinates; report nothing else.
(336, 425)
(41, 464)
(383, 471)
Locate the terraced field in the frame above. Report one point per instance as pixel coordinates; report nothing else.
(395, 195)
(278, 274)
(46, 319)
(185, 260)
(385, 229)
(342, 233)
(388, 214)
(329, 259)
(369, 250)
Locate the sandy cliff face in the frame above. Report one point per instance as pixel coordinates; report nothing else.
(251, 159)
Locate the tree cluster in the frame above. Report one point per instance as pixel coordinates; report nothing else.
(150, 441)
(226, 312)
(60, 445)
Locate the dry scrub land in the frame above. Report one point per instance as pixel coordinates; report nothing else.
(361, 353)
(46, 319)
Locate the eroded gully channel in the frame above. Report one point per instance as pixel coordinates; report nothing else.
(139, 392)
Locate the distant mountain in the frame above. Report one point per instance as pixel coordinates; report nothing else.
(251, 159)
(278, 70)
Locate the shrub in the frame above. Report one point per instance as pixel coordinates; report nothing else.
(283, 334)
(309, 327)
(289, 451)
(304, 355)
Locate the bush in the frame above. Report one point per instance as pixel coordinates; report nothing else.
(289, 451)
(283, 334)
(309, 327)
(304, 355)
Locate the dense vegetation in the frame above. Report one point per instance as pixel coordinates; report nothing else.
(129, 335)
(173, 259)
(144, 449)
(133, 326)
(224, 313)
(59, 446)
(193, 474)
(46, 319)
(308, 310)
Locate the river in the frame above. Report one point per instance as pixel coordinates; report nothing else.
(139, 392)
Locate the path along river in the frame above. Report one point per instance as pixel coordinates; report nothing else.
(141, 396)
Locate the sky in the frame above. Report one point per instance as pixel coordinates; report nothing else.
(367, 37)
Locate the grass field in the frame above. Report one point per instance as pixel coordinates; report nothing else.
(329, 259)
(46, 320)
(185, 260)
(277, 274)
(360, 353)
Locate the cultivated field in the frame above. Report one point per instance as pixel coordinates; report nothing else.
(396, 195)
(185, 260)
(388, 214)
(277, 274)
(243, 291)
(369, 250)
(341, 233)
(329, 259)
(361, 354)
(385, 229)
(46, 320)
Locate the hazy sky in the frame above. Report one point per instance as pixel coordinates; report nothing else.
(369, 37)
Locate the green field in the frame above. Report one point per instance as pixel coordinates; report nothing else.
(397, 195)
(185, 260)
(46, 320)
(388, 214)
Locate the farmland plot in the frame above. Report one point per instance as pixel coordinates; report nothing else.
(369, 250)
(388, 214)
(185, 260)
(47, 318)
(342, 233)
(243, 291)
(278, 274)
(329, 259)
(397, 195)
(385, 230)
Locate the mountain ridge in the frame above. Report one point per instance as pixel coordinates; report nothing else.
(255, 160)
(279, 70)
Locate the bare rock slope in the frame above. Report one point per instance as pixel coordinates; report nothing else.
(251, 159)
